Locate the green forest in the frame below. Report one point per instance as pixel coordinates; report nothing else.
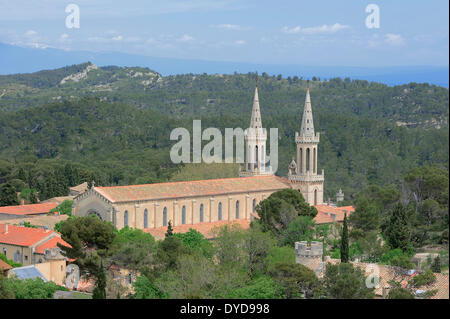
(113, 126)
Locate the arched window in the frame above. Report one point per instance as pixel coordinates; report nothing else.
(256, 156)
(237, 209)
(146, 218)
(248, 158)
(17, 257)
(262, 157)
(183, 215)
(314, 161)
(201, 213)
(254, 205)
(307, 160)
(125, 219)
(315, 197)
(165, 216)
(219, 211)
(300, 163)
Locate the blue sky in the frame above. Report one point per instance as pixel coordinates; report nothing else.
(319, 32)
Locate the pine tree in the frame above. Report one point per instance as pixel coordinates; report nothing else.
(100, 286)
(344, 242)
(33, 197)
(398, 232)
(169, 232)
(8, 195)
(436, 267)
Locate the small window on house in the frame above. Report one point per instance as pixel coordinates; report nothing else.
(40, 260)
(4, 251)
(26, 257)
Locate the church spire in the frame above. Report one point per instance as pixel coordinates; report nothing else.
(307, 128)
(255, 121)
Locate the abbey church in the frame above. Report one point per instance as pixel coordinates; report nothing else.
(228, 199)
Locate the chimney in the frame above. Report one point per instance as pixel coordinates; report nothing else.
(329, 201)
(6, 228)
(22, 201)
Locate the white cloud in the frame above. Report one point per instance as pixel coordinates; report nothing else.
(240, 42)
(394, 39)
(186, 38)
(234, 27)
(316, 30)
(30, 33)
(117, 38)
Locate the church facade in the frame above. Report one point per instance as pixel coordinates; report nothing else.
(192, 202)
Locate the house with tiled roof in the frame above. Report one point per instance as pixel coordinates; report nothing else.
(27, 245)
(328, 214)
(18, 211)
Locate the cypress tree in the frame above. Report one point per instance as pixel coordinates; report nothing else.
(100, 286)
(344, 242)
(169, 232)
(436, 267)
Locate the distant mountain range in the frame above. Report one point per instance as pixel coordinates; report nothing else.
(15, 59)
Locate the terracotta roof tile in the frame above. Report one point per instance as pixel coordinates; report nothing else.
(206, 229)
(51, 243)
(334, 212)
(31, 209)
(23, 236)
(192, 188)
(4, 266)
(322, 218)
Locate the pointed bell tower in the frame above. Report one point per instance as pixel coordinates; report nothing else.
(307, 180)
(255, 143)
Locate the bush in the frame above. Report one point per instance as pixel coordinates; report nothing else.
(425, 279)
(400, 293)
(32, 288)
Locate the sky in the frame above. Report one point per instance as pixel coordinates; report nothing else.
(319, 32)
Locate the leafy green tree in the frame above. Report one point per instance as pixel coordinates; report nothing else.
(426, 278)
(256, 245)
(400, 293)
(5, 293)
(301, 228)
(32, 288)
(398, 232)
(365, 218)
(343, 281)
(133, 249)
(90, 238)
(277, 255)
(145, 289)
(296, 199)
(195, 241)
(65, 208)
(402, 262)
(275, 215)
(296, 280)
(344, 242)
(262, 287)
(8, 195)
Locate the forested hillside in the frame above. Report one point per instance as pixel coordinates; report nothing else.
(113, 125)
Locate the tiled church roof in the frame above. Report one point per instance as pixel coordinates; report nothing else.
(192, 188)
